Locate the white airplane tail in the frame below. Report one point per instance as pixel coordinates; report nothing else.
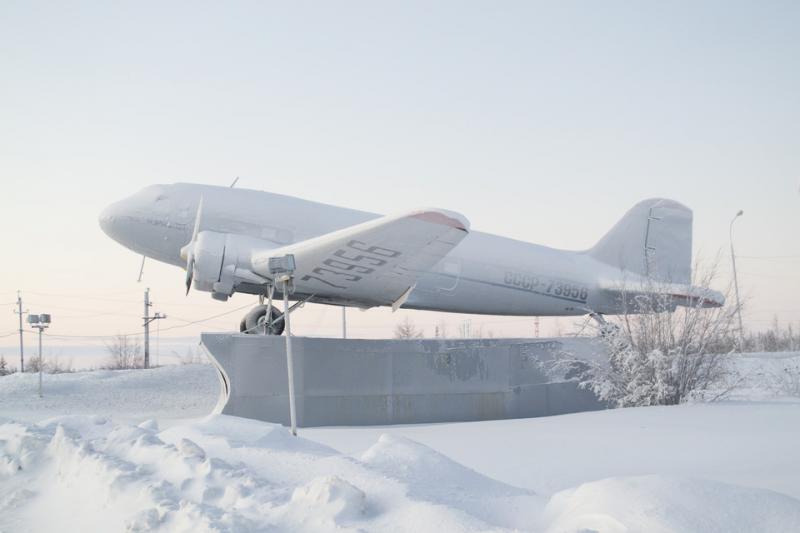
(653, 239)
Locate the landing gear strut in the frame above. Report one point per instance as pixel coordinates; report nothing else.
(605, 328)
(265, 319)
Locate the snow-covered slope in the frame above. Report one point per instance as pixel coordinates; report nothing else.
(132, 451)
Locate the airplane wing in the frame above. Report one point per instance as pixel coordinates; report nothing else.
(374, 263)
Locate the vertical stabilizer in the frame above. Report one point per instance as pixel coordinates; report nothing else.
(653, 239)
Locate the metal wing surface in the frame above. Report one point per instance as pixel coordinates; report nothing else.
(374, 263)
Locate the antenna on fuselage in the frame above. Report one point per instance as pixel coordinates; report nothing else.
(141, 269)
(234, 182)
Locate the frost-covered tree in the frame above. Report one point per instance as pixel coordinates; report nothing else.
(659, 353)
(124, 352)
(35, 362)
(407, 330)
(4, 370)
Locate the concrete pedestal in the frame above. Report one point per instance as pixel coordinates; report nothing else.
(377, 382)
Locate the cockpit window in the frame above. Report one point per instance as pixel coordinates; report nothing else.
(154, 197)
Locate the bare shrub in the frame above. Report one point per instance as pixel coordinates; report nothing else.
(49, 365)
(407, 330)
(54, 365)
(778, 338)
(124, 353)
(33, 363)
(194, 357)
(661, 354)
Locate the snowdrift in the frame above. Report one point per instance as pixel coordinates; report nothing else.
(228, 474)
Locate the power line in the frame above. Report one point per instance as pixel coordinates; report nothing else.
(138, 333)
(208, 318)
(767, 276)
(768, 257)
(112, 300)
(80, 292)
(82, 297)
(92, 312)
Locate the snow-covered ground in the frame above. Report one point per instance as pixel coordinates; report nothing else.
(135, 451)
(164, 393)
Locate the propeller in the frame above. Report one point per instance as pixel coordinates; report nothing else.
(187, 252)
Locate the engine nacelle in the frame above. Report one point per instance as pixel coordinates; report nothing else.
(209, 254)
(222, 261)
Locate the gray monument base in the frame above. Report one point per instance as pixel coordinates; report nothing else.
(377, 382)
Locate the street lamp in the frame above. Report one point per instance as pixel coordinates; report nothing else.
(282, 268)
(736, 281)
(40, 322)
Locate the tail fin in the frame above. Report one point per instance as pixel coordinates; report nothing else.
(653, 239)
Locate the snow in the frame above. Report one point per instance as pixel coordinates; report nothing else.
(744, 444)
(137, 451)
(169, 392)
(664, 504)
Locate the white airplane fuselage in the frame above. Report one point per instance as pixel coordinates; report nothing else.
(484, 274)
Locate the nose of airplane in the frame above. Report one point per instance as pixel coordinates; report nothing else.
(116, 219)
(135, 221)
(106, 219)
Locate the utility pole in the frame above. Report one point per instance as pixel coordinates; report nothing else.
(536, 327)
(344, 322)
(147, 327)
(147, 319)
(20, 312)
(736, 282)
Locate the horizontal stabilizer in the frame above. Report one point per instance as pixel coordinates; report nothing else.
(679, 294)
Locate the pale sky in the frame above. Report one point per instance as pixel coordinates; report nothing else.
(539, 121)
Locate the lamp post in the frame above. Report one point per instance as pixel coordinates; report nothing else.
(736, 281)
(40, 322)
(282, 268)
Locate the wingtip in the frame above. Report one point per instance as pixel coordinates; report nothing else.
(443, 217)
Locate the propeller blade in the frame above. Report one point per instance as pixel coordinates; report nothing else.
(188, 250)
(189, 274)
(197, 220)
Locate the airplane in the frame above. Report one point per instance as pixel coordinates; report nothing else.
(235, 240)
